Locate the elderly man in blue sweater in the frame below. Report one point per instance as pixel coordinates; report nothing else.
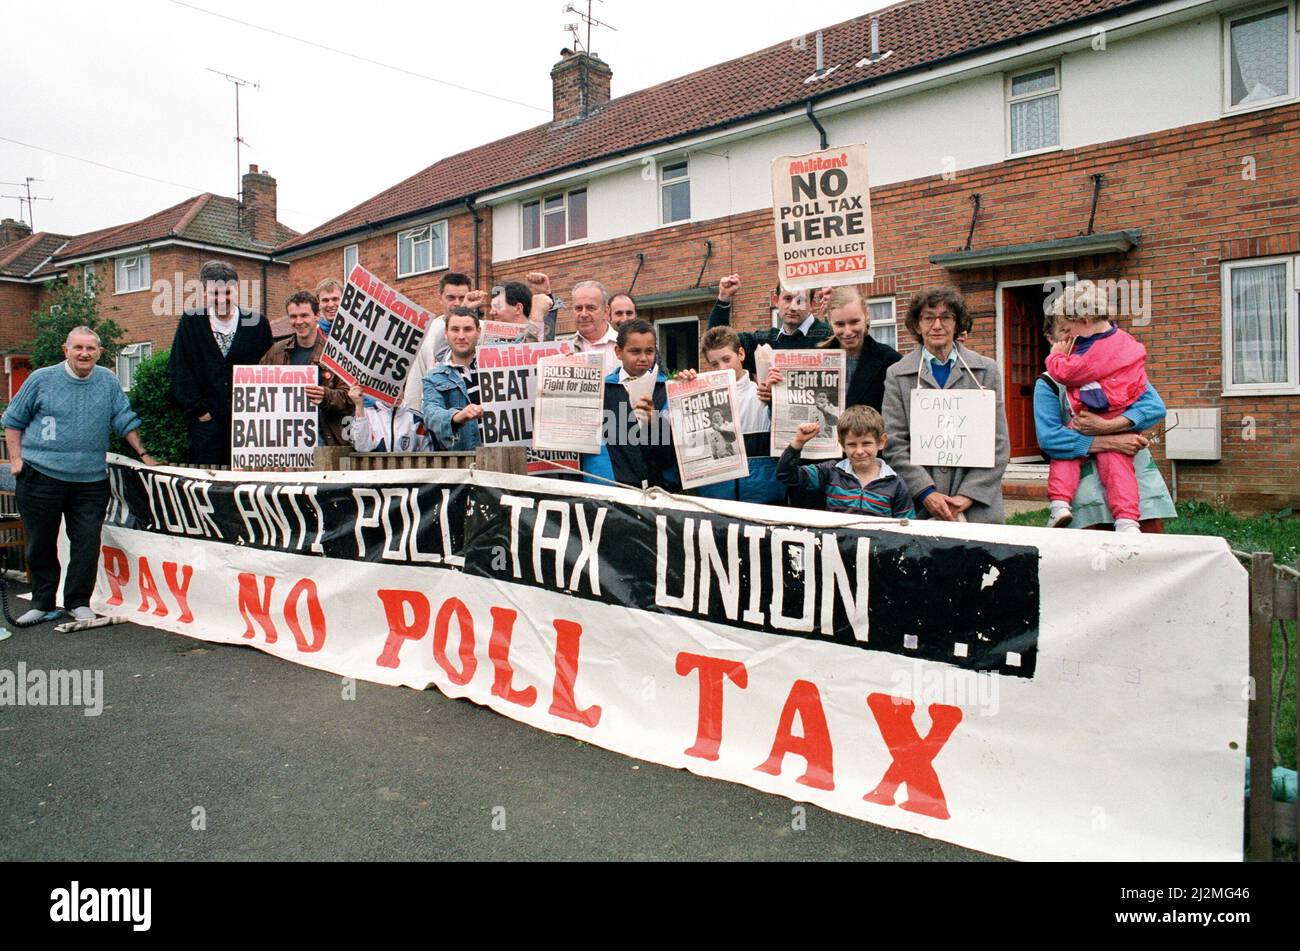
(57, 433)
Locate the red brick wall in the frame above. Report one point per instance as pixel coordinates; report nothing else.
(378, 254)
(1183, 189)
(17, 301)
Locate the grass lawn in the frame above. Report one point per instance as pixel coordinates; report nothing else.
(1279, 535)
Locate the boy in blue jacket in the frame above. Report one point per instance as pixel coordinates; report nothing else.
(860, 483)
(636, 441)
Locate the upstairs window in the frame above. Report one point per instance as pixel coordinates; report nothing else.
(555, 220)
(675, 192)
(422, 249)
(1259, 58)
(1033, 106)
(132, 273)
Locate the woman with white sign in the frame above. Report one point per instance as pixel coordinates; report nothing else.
(943, 411)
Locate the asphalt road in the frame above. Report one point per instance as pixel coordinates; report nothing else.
(281, 767)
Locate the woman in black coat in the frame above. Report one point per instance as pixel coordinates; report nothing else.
(207, 346)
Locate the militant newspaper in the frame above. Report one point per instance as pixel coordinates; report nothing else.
(709, 444)
(570, 402)
(811, 391)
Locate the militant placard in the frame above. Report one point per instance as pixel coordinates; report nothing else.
(273, 425)
(822, 207)
(375, 337)
(811, 391)
(709, 446)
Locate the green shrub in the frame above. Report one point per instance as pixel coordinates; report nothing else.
(166, 431)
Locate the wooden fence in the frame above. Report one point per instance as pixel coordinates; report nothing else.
(1274, 600)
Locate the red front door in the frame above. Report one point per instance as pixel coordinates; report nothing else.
(1025, 351)
(19, 369)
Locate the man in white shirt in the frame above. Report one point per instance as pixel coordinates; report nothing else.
(591, 317)
(453, 290)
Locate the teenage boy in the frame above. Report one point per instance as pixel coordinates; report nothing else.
(451, 396)
(303, 348)
(636, 443)
(859, 483)
(799, 328)
(722, 350)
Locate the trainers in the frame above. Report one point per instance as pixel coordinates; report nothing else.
(37, 616)
(1061, 518)
(1127, 526)
(83, 613)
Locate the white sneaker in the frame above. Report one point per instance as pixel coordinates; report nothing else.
(1127, 526)
(1061, 518)
(37, 616)
(83, 613)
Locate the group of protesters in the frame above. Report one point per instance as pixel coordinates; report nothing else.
(57, 427)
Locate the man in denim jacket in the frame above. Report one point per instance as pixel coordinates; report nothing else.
(452, 406)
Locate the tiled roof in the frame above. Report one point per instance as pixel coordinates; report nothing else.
(207, 219)
(918, 32)
(23, 258)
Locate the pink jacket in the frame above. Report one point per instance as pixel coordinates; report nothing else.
(1105, 373)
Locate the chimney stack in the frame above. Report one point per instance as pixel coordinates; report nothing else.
(579, 84)
(258, 219)
(11, 231)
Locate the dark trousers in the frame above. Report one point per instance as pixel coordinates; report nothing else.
(210, 442)
(44, 502)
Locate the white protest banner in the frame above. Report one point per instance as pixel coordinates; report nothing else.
(821, 203)
(986, 685)
(375, 337)
(953, 427)
(570, 408)
(709, 444)
(811, 391)
(507, 386)
(272, 425)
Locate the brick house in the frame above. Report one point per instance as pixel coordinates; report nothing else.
(144, 273)
(1153, 143)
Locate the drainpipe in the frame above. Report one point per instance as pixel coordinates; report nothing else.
(264, 269)
(469, 204)
(820, 129)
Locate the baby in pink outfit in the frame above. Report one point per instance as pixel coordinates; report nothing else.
(1103, 370)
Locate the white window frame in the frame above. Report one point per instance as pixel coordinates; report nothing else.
(355, 249)
(434, 265)
(540, 202)
(1292, 59)
(1027, 97)
(141, 262)
(1292, 385)
(664, 183)
(891, 322)
(133, 353)
(89, 277)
